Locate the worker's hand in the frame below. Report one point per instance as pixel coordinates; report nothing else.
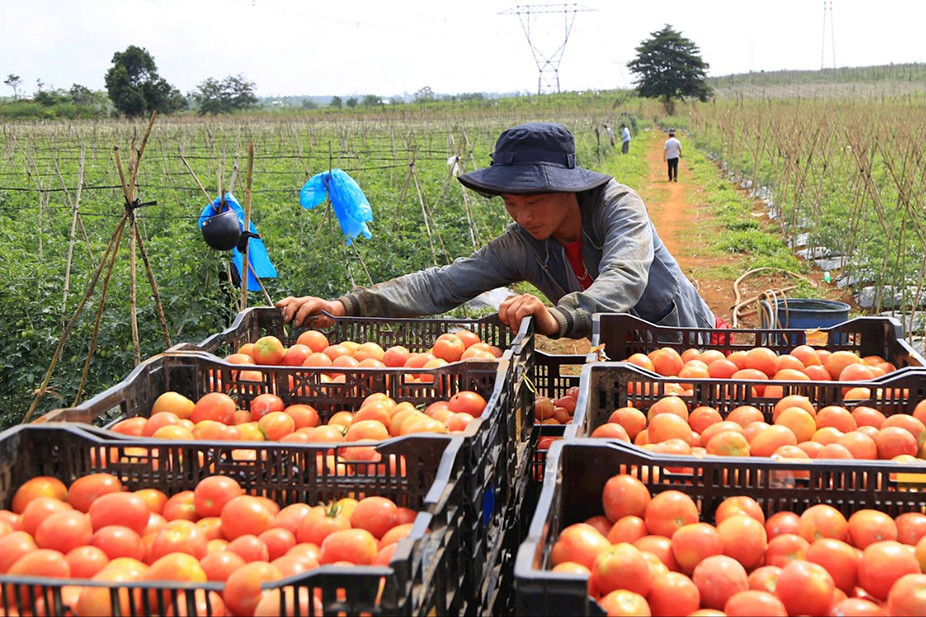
(516, 308)
(298, 310)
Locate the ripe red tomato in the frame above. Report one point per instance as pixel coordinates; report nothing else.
(868, 526)
(694, 542)
(262, 404)
(805, 588)
(579, 543)
(178, 536)
(357, 546)
(753, 602)
(744, 539)
(669, 510)
(718, 578)
(40, 486)
(375, 514)
(250, 548)
(278, 541)
(84, 490)
(448, 347)
(622, 566)
(624, 495)
(180, 506)
(823, 521)
(216, 406)
(908, 595)
(37, 510)
(839, 559)
(319, 522)
(211, 494)
(467, 401)
(86, 561)
(673, 594)
(42, 562)
(63, 531)
(882, 564)
(245, 514)
(118, 541)
(784, 549)
(13, 546)
(126, 509)
(219, 565)
(623, 602)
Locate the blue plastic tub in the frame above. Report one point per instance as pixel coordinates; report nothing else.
(803, 313)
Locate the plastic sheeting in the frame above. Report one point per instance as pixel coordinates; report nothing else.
(347, 199)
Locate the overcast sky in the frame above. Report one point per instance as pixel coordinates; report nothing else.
(387, 47)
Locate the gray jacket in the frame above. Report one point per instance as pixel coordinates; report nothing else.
(631, 269)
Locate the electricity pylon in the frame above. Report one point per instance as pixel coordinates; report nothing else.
(547, 63)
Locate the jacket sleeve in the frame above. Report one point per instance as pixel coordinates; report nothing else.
(438, 289)
(627, 253)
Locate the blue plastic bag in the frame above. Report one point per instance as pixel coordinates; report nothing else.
(257, 252)
(347, 199)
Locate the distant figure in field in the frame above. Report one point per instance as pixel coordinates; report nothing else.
(625, 139)
(610, 133)
(672, 153)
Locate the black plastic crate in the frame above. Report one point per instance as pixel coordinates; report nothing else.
(618, 336)
(578, 469)
(419, 580)
(490, 443)
(417, 334)
(606, 386)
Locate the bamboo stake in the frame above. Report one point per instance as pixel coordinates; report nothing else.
(75, 206)
(247, 226)
(70, 325)
(154, 288)
(91, 349)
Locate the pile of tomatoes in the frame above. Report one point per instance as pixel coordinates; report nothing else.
(556, 411)
(313, 349)
(799, 430)
(97, 529)
(651, 555)
(216, 416)
(803, 363)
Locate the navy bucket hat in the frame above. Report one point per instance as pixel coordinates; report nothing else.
(537, 157)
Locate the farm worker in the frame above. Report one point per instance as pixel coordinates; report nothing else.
(672, 152)
(610, 132)
(625, 139)
(582, 238)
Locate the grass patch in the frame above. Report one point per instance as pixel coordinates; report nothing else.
(741, 232)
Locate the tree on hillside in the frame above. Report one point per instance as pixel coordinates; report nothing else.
(669, 67)
(136, 89)
(372, 100)
(336, 102)
(351, 102)
(222, 97)
(14, 82)
(424, 95)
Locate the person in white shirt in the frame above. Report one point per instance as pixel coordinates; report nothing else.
(625, 139)
(672, 153)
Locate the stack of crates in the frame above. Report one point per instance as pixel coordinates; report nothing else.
(576, 467)
(425, 477)
(493, 447)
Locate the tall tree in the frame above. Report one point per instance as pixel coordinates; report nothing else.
(14, 82)
(222, 97)
(136, 89)
(669, 67)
